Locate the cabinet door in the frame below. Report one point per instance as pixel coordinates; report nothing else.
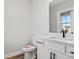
(56, 55)
(42, 52)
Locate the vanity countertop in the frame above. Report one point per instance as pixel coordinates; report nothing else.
(55, 37)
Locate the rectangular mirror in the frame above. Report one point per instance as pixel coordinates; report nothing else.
(61, 16)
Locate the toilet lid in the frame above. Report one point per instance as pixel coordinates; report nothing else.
(28, 46)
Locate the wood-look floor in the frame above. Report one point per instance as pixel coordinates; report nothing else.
(20, 56)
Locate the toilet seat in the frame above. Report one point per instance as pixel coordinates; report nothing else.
(29, 48)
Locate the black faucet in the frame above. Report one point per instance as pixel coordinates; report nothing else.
(63, 33)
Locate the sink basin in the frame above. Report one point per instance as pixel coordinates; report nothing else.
(52, 37)
(60, 39)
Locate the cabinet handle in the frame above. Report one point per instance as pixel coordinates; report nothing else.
(43, 43)
(53, 55)
(39, 42)
(72, 52)
(50, 55)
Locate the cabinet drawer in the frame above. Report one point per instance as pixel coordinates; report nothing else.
(55, 47)
(69, 51)
(40, 42)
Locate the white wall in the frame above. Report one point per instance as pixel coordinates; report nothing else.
(53, 13)
(17, 24)
(40, 17)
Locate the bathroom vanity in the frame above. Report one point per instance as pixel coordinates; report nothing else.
(54, 48)
(60, 43)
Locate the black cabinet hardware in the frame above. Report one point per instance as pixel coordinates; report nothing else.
(72, 52)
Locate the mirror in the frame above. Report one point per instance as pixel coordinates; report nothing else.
(61, 16)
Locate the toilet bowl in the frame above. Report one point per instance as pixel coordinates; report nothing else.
(28, 49)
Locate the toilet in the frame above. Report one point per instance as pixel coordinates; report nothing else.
(28, 51)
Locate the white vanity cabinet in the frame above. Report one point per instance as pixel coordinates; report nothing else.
(57, 55)
(59, 51)
(42, 52)
(51, 50)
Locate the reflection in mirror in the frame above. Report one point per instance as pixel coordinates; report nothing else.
(61, 16)
(65, 21)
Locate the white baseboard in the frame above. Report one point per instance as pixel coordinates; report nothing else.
(13, 54)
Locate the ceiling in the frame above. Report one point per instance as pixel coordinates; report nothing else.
(55, 2)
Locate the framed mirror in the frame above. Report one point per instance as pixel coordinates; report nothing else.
(61, 16)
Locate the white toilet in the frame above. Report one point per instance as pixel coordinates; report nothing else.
(28, 49)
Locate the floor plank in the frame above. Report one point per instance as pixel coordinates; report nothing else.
(20, 56)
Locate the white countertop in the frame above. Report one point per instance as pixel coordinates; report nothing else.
(57, 38)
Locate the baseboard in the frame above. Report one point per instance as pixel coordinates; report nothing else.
(13, 54)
